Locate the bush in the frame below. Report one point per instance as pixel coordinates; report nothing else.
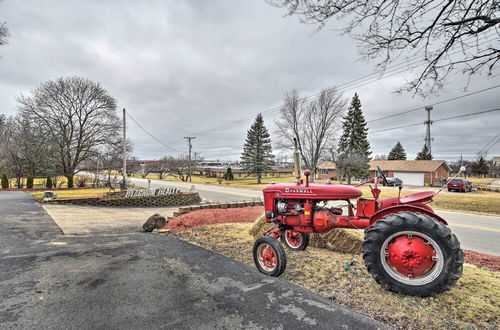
(5, 181)
(29, 182)
(229, 174)
(48, 183)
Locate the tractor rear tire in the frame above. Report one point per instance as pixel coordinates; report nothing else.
(412, 254)
(269, 256)
(295, 240)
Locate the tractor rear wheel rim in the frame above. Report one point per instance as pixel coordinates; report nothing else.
(293, 238)
(412, 258)
(267, 257)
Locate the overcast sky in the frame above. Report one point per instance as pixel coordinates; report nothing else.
(191, 67)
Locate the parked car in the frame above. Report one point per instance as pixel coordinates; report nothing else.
(394, 182)
(459, 185)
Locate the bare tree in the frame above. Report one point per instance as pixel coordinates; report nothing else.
(76, 114)
(179, 166)
(314, 124)
(4, 33)
(160, 167)
(11, 151)
(444, 35)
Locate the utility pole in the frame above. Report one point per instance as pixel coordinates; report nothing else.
(190, 146)
(124, 149)
(428, 122)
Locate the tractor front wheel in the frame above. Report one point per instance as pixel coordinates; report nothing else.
(295, 240)
(413, 254)
(269, 256)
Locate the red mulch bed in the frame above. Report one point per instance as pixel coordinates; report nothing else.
(213, 216)
(205, 217)
(482, 260)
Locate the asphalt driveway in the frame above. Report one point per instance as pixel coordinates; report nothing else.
(140, 280)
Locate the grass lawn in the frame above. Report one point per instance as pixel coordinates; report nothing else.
(75, 193)
(246, 183)
(472, 304)
(481, 181)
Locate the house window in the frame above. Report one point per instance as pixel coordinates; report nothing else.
(324, 171)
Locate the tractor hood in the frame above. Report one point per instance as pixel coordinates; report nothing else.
(313, 191)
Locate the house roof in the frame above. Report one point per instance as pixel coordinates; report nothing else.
(408, 165)
(327, 165)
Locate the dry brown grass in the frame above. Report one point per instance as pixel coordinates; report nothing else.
(473, 303)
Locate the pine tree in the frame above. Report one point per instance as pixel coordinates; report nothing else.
(354, 148)
(48, 182)
(397, 153)
(229, 174)
(257, 154)
(424, 154)
(479, 167)
(5, 181)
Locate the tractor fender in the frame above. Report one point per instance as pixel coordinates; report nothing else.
(405, 208)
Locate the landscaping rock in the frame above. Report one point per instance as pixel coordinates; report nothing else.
(154, 222)
(49, 195)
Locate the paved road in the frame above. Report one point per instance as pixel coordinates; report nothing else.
(139, 280)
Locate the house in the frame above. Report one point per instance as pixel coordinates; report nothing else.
(326, 170)
(495, 161)
(413, 172)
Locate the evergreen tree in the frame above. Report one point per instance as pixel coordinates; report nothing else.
(5, 181)
(354, 148)
(480, 167)
(257, 154)
(424, 154)
(29, 182)
(397, 153)
(229, 174)
(48, 183)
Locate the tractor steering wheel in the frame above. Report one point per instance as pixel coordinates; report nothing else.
(381, 174)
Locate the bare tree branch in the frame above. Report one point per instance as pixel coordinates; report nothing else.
(445, 35)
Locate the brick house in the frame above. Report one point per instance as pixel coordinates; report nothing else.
(326, 170)
(413, 172)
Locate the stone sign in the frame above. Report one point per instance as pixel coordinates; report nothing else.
(151, 192)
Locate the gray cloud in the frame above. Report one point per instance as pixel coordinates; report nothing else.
(184, 67)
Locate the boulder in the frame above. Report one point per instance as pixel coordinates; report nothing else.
(154, 222)
(49, 195)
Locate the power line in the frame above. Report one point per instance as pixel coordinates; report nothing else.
(435, 103)
(368, 79)
(437, 120)
(486, 148)
(151, 135)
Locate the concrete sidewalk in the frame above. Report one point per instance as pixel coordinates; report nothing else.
(85, 220)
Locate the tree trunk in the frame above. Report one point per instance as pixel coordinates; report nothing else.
(70, 180)
(259, 176)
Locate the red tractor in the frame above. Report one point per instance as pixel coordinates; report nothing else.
(408, 248)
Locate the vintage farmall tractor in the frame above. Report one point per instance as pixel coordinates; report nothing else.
(407, 248)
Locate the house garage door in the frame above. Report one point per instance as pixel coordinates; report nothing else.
(410, 179)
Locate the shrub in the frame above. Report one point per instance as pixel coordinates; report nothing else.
(29, 182)
(229, 174)
(5, 181)
(48, 182)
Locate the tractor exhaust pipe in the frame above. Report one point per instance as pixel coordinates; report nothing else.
(297, 171)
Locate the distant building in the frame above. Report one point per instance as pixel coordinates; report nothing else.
(326, 170)
(496, 161)
(413, 172)
(239, 172)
